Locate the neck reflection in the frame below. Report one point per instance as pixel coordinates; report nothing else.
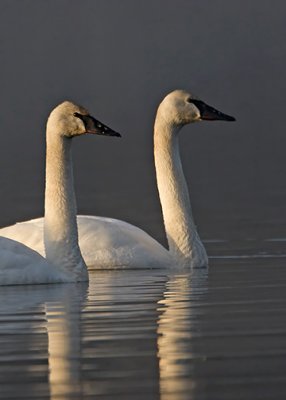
(64, 343)
(177, 323)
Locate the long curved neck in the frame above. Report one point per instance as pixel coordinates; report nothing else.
(60, 225)
(175, 202)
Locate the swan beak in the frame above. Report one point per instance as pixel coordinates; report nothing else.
(96, 127)
(209, 113)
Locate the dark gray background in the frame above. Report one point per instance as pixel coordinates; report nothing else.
(118, 59)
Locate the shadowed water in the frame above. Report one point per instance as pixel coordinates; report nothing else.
(217, 334)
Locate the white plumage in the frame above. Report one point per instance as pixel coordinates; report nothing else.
(64, 263)
(21, 265)
(108, 243)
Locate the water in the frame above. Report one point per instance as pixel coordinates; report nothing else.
(216, 334)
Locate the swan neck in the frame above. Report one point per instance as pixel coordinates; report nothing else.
(60, 224)
(173, 191)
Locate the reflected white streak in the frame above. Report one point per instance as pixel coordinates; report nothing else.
(175, 326)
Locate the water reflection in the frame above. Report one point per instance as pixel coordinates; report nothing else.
(126, 336)
(39, 340)
(137, 335)
(64, 343)
(177, 323)
(119, 325)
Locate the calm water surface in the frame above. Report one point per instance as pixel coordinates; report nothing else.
(216, 334)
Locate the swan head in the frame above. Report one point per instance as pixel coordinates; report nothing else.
(69, 120)
(180, 108)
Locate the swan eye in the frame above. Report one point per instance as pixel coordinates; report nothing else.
(198, 103)
(78, 115)
(84, 118)
(195, 102)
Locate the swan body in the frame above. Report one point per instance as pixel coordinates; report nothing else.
(105, 243)
(64, 263)
(110, 243)
(22, 265)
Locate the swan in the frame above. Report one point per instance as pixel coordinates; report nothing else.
(108, 243)
(20, 264)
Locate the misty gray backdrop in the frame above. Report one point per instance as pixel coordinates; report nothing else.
(119, 59)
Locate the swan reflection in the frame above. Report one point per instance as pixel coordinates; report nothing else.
(177, 324)
(129, 334)
(40, 340)
(64, 343)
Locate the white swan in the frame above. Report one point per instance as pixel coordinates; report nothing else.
(64, 263)
(109, 243)
(20, 265)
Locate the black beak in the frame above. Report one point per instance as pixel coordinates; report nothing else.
(209, 113)
(96, 127)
